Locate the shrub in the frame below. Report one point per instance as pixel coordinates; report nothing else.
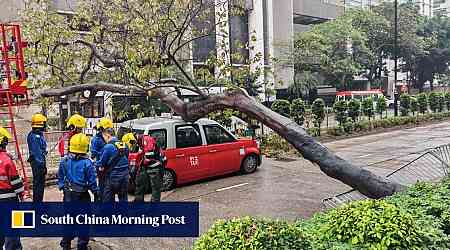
(363, 126)
(354, 109)
(336, 131)
(414, 105)
(433, 98)
(377, 224)
(274, 146)
(422, 99)
(367, 107)
(313, 131)
(348, 126)
(405, 104)
(447, 100)
(282, 107)
(318, 111)
(427, 199)
(441, 101)
(223, 117)
(298, 111)
(340, 110)
(381, 106)
(250, 233)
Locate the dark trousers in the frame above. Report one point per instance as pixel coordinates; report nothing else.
(39, 172)
(10, 243)
(149, 180)
(70, 196)
(101, 185)
(115, 185)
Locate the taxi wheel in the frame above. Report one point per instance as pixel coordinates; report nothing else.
(249, 164)
(169, 180)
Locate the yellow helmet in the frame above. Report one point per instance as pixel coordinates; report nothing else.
(38, 120)
(77, 121)
(79, 144)
(128, 138)
(105, 123)
(4, 133)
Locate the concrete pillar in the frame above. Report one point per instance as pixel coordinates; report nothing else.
(281, 34)
(222, 35)
(256, 40)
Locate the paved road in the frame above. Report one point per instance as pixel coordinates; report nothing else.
(284, 190)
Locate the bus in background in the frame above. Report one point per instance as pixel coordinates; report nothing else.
(359, 95)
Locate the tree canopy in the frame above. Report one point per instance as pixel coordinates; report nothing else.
(361, 41)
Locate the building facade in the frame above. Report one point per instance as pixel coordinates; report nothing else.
(359, 3)
(441, 7)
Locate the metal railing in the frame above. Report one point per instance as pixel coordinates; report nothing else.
(431, 166)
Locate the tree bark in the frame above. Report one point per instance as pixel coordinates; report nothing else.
(332, 165)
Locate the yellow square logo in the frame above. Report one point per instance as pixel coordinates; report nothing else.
(22, 219)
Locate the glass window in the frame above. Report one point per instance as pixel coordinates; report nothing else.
(188, 136)
(217, 135)
(160, 136)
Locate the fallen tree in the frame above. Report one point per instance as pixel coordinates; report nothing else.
(125, 43)
(359, 178)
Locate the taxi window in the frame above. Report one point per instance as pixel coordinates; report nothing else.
(123, 130)
(188, 136)
(217, 135)
(160, 136)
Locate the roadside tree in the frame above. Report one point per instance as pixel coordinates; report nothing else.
(367, 107)
(340, 110)
(405, 104)
(298, 111)
(381, 106)
(354, 109)
(282, 107)
(318, 110)
(422, 99)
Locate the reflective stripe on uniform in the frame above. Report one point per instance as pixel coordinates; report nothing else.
(154, 165)
(8, 195)
(14, 182)
(20, 190)
(3, 178)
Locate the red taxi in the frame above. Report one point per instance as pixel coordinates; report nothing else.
(197, 150)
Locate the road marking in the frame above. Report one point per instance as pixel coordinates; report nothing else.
(230, 187)
(363, 156)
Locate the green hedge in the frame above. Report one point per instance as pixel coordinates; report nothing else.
(418, 218)
(251, 233)
(366, 126)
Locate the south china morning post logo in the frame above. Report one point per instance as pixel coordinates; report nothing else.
(56, 219)
(23, 219)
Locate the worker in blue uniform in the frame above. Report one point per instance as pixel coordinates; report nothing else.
(113, 165)
(37, 148)
(105, 125)
(76, 176)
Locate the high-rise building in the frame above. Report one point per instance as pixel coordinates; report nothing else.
(425, 7)
(441, 7)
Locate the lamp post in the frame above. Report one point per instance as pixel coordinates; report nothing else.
(395, 57)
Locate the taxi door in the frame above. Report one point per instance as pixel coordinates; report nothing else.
(225, 151)
(190, 154)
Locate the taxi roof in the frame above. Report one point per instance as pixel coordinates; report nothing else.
(155, 122)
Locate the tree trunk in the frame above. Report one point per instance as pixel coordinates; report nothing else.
(332, 165)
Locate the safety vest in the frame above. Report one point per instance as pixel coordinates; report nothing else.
(11, 184)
